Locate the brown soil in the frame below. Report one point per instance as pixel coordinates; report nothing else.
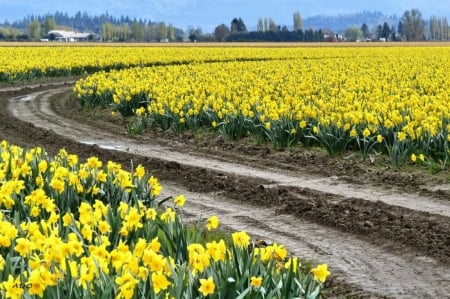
(383, 231)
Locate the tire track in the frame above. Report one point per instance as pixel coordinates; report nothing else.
(373, 269)
(35, 108)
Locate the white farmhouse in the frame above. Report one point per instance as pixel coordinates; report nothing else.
(68, 36)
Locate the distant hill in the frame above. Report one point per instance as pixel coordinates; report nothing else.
(339, 23)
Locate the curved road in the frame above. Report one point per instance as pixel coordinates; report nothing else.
(375, 270)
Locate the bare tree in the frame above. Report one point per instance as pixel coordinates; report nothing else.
(34, 29)
(48, 25)
(171, 32)
(439, 28)
(221, 32)
(273, 26)
(413, 25)
(260, 25)
(298, 21)
(266, 24)
(162, 31)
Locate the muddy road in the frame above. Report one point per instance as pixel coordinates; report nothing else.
(384, 232)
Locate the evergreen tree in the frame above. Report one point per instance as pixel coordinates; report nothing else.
(365, 30)
(238, 26)
(386, 31)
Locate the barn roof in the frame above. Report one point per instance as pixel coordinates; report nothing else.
(68, 34)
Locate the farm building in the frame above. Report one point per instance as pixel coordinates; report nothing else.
(68, 36)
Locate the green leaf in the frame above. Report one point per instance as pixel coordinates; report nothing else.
(244, 293)
(315, 294)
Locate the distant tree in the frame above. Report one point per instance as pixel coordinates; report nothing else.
(150, 32)
(298, 21)
(282, 35)
(124, 32)
(309, 35)
(386, 31)
(48, 25)
(242, 26)
(266, 24)
(445, 29)
(393, 34)
(413, 25)
(238, 26)
(379, 31)
(34, 29)
(179, 34)
(9, 33)
(221, 32)
(22, 37)
(193, 37)
(272, 25)
(137, 31)
(260, 25)
(320, 35)
(194, 34)
(400, 30)
(439, 29)
(365, 30)
(353, 34)
(162, 31)
(170, 32)
(434, 28)
(107, 31)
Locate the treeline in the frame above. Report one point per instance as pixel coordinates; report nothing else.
(267, 31)
(309, 35)
(81, 22)
(411, 27)
(104, 27)
(439, 28)
(141, 32)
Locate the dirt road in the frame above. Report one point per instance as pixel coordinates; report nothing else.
(383, 232)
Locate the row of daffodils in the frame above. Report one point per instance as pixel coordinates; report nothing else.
(370, 100)
(73, 229)
(28, 62)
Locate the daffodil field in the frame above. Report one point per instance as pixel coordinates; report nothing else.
(90, 229)
(371, 100)
(391, 101)
(73, 229)
(32, 62)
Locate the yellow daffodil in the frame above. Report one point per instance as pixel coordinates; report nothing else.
(180, 200)
(207, 286)
(255, 281)
(321, 272)
(241, 239)
(212, 223)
